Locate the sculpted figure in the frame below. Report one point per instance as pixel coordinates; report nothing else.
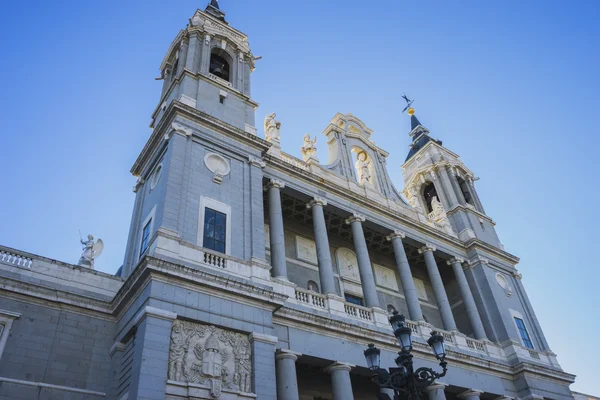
(243, 368)
(413, 199)
(177, 353)
(309, 149)
(272, 127)
(91, 251)
(439, 215)
(362, 166)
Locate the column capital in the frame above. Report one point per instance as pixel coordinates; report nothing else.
(338, 366)
(256, 162)
(517, 274)
(427, 247)
(261, 337)
(435, 386)
(455, 260)
(207, 38)
(470, 393)
(316, 201)
(356, 218)
(276, 183)
(396, 234)
(138, 184)
(282, 354)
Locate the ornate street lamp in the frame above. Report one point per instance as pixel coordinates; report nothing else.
(404, 380)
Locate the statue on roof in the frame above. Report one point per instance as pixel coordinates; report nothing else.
(272, 128)
(309, 149)
(91, 251)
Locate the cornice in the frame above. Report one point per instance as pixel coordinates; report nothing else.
(201, 118)
(476, 244)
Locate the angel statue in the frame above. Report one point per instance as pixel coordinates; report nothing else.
(309, 149)
(272, 128)
(91, 251)
(362, 166)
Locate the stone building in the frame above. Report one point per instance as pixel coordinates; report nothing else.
(252, 274)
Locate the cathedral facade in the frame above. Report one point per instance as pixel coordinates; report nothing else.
(250, 273)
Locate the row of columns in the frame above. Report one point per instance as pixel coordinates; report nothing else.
(341, 383)
(279, 269)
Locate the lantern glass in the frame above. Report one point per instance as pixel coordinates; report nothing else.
(436, 341)
(373, 357)
(404, 337)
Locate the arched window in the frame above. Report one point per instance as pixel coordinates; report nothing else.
(465, 190)
(312, 285)
(429, 193)
(220, 64)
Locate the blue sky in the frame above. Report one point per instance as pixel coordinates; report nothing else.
(511, 86)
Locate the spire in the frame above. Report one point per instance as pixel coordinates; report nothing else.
(213, 9)
(419, 134)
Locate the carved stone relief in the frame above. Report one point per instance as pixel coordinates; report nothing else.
(306, 249)
(218, 165)
(210, 356)
(348, 264)
(385, 277)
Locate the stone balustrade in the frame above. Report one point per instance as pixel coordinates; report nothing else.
(296, 162)
(214, 259)
(311, 298)
(356, 311)
(15, 258)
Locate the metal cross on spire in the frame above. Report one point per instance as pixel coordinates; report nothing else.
(408, 102)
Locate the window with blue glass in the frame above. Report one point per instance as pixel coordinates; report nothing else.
(145, 237)
(354, 299)
(523, 332)
(214, 230)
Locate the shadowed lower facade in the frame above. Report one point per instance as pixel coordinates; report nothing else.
(252, 274)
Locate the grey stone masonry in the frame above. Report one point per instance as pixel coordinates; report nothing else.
(278, 261)
(340, 381)
(438, 288)
(263, 365)
(322, 243)
(287, 380)
(364, 261)
(408, 283)
(467, 297)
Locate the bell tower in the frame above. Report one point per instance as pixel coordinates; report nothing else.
(208, 67)
(440, 186)
(203, 157)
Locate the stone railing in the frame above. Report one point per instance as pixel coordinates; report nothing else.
(214, 259)
(475, 345)
(359, 312)
(414, 327)
(534, 354)
(220, 80)
(311, 298)
(296, 162)
(14, 258)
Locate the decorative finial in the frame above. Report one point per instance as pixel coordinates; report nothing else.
(408, 107)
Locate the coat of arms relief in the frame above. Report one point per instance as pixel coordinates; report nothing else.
(210, 356)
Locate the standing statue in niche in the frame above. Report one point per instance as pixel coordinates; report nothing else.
(243, 367)
(309, 149)
(413, 199)
(91, 251)
(272, 127)
(177, 354)
(439, 215)
(363, 167)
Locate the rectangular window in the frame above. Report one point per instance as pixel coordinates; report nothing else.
(523, 332)
(353, 299)
(145, 237)
(214, 230)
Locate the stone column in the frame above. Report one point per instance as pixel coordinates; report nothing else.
(467, 296)
(456, 186)
(263, 365)
(438, 287)
(435, 391)
(470, 394)
(340, 381)
(240, 71)
(205, 60)
(449, 189)
(257, 216)
(183, 51)
(287, 381)
(322, 241)
(278, 263)
(406, 278)
(474, 195)
(364, 262)
(193, 53)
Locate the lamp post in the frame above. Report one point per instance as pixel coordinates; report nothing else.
(404, 380)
